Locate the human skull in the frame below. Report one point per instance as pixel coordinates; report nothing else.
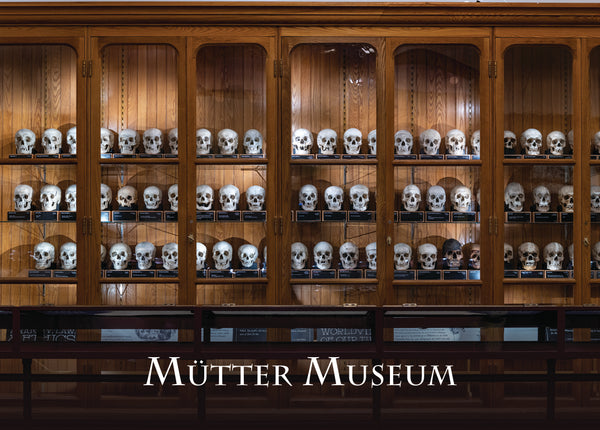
(556, 142)
(595, 143)
(508, 254)
(204, 198)
(68, 256)
(476, 142)
(427, 256)
(327, 141)
(200, 255)
(255, 198)
(144, 254)
(302, 141)
(52, 141)
(120, 254)
(402, 256)
(514, 196)
(71, 197)
(43, 254)
(24, 141)
(173, 137)
(129, 140)
(456, 142)
(23, 197)
(102, 253)
(565, 195)
(222, 254)
(308, 197)
(430, 141)
(334, 197)
(571, 251)
(228, 141)
(403, 142)
(371, 251)
(322, 255)
(411, 198)
(229, 196)
(107, 140)
(173, 197)
(72, 140)
(475, 256)
(203, 141)
(529, 255)
(152, 197)
(170, 256)
(594, 196)
(247, 255)
(571, 140)
(152, 141)
(127, 197)
(531, 140)
(349, 255)
(50, 197)
(105, 197)
(436, 198)
(596, 255)
(461, 198)
(359, 196)
(553, 256)
(372, 138)
(453, 254)
(352, 141)
(541, 196)
(510, 141)
(253, 142)
(299, 255)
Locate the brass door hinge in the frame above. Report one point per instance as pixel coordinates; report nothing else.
(86, 69)
(492, 69)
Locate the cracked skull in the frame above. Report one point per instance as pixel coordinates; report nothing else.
(541, 196)
(247, 255)
(173, 138)
(23, 196)
(204, 198)
(52, 141)
(152, 197)
(107, 140)
(227, 141)
(554, 255)
(334, 198)
(510, 141)
(452, 253)
(203, 141)
(556, 142)
(327, 141)
(308, 197)
(302, 141)
(105, 197)
(255, 198)
(71, 197)
(72, 140)
(68, 256)
(594, 198)
(436, 199)
(43, 254)
(129, 140)
(127, 197)
(299, 255)
(50, 197)
(170, 256)
(322, 255)
(430, 141)
(456, 142)
(144, 255)
(201, 253)
(349, 255)
(411, 198)
(402, 256)
(529, 255)
(359, 196)
(475, 256)
(372, 138)
(24, 141)
(229, 197)
(352, 141)
(120, 254)
(253, 142)
(371, 251)
(173, 197)
(531, 140)
(152, 141)
(222, 254)
(476, 142)
(461, 197)
(403, 142)
(514, 196)
(508, 254)
(427, 256)
(565, 195)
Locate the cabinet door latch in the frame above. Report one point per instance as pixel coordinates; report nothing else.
(86, 69)
(492, 69)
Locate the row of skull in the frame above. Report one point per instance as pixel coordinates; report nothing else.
(427, 256)
(50, 197)
(529, 255)
(514, 198)
(460, 197)
(229, 198)
(302, 141)
(531, 141)
(323, 255)
(44, 255)
(308, 197)
(52, 138)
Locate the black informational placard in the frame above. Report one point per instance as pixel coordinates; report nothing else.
(220, 274)
(150, 216)
(545, 217)
(431, 157)
(353, 157)
(171, 216)
(370, 274)
(458, 157)
(511, 274)
(20, 156)
(250, 335)
(64, 274)
(404, 275)
(405, 157)
(47, 156)
(18, 216)
(124, 216)
(205, 216)
(143, 273)
(201, 273)
(474, 275)
(67, 216)
(246, 273)
(518, 216)
(558, 274)
(300, 274)
(429, 275)
(248, 156)
(323, 274)
(532, 274)
(151, 156)
(235, 216)
(226, 156)
(454, 275)
(406, 216)
(254, 216)
(566, 217)
(328, 156)
(302, 157)
(437, 216)
(308, 216)
(464, 216)
(350, 273)
(45, 216)
(167, 273)
(361, 216)
(118, 273)
(335, 215)
(595, 217)
(40, 273)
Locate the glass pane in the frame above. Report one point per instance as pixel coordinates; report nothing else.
(594, 139)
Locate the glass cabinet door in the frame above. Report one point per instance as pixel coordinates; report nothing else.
(539, 171)
(437, 152)
(39, 173)
(234, 135)
(330, 145)
(591, 143)
(136, 148)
